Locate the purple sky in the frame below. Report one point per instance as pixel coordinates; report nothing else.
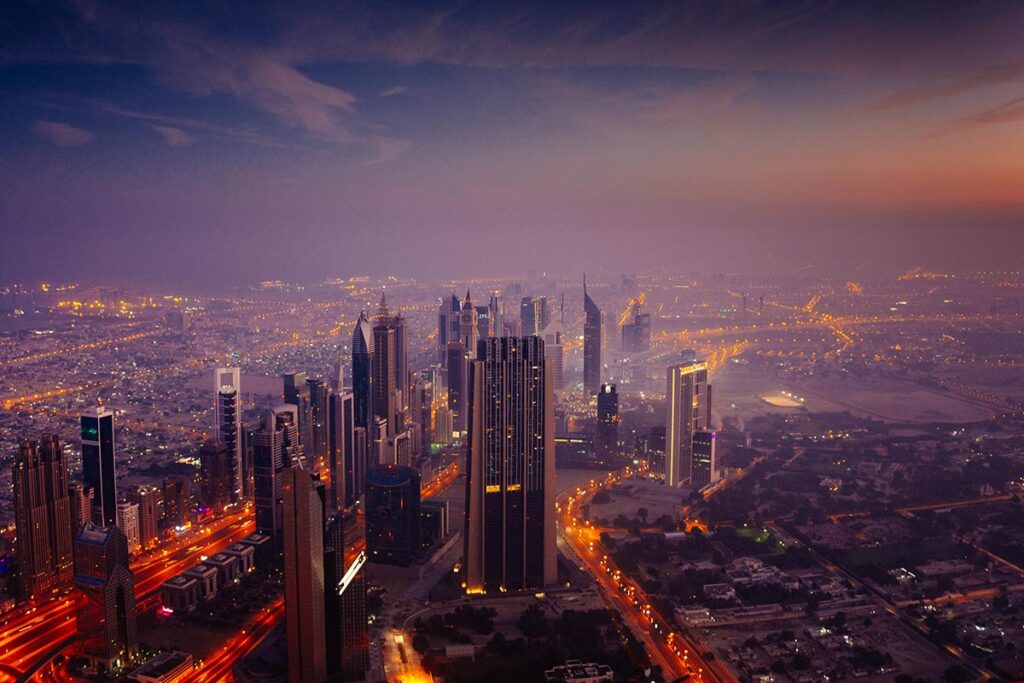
(260, 140)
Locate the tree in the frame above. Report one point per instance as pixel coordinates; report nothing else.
(642, 514)
(420, 643)
(532, 622)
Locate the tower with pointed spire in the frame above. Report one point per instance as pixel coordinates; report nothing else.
(384, 367)
(592, 330)
(468, 329)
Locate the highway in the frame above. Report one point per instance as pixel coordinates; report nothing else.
(666, 645)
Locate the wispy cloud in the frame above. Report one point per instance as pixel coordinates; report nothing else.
(174, 137)
(393, 90)
(1007, 112)
(928, 93)
(387, 149)
(62, 134)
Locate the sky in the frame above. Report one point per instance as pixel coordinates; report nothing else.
(227, 142)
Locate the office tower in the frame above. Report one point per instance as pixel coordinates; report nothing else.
(296, 393)
(228, 390)
(319, 397)
(591, 344)
(468, 330)
(215, 475)
(484, 323)
(443, 426)
(433, 522)
(705, 465)
(457, 374)
(303, 517)
(42, 516)
(98, 463)
(607, 441)
(107, 631)
(400, 448)
(392, 514)
(420, 404)
(636, 332)
(345, 616)
(687, 399)
(275, 445)
(176, 492)
(80, 495)
(128, 523)
(384, 366)
(147, 498)
(380, 452)
(449, 326)
(362, 372)
(533, 315)
(401, 362)
(554, 350)
(496, 313)
(510, 497)
(346, 465)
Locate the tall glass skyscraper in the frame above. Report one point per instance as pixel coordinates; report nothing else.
(688, 402)
(228, 391)
(98, 463)
(107, 631)
(362, 372)
(304, 576)
(591, 343)
(510, 499)
(392, 514)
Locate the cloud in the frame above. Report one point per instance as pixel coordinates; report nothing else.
(393, 90)
(1007, 112)
(984, 78)
(174, 137)
(388, 149)
(62, 134)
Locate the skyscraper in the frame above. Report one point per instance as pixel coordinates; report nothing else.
(81, 497)
(457, 375)
(98, 463)
(176, 494)
(42, 516)
(392, 514)
(147, 498)
(449, 325)
(554, 350)
(215, 473)
(319, 397)
(401, 362)
(362, 372)
(128, 523)
(347, 467)
(296, 393)
(273, 446)
(705, 466)
(347, 640)
(607, 442)
(510, 498)
(107, 631)
(591, 343)
(228, 391)
(533, 315)
(496, 312)
(688, 401)
(304, 577)
(636, 333)
(469, 332)
(384, 366)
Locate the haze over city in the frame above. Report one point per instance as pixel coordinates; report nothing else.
(621, 342)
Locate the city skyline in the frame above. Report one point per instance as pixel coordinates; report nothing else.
(888, 130)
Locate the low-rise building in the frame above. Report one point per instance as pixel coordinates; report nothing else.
(207, 578)
(179, 595)
(166, 667)
(575, 671)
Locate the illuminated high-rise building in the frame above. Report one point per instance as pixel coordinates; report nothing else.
(688, 402)
(606, 443)
(106, 626)
(362, 372)
(705, 464)
(147, 497)
(457, 376)
(401, 363)
(510, 499)
(296, 393)
(274, 447)
(175, 492)
(591, 343)
(384, 367)
(303, 519)
(42, 516)
(496, 313)
(98, 463)
(533, 315)
(319, 413)
(215, 473)
(392, 514)
(469, 331)
(345, 617)
(449, 326)
(555, 351)
(347, 466)
(228, 392)
(128, 523)
(81, 497)
(636, 332)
